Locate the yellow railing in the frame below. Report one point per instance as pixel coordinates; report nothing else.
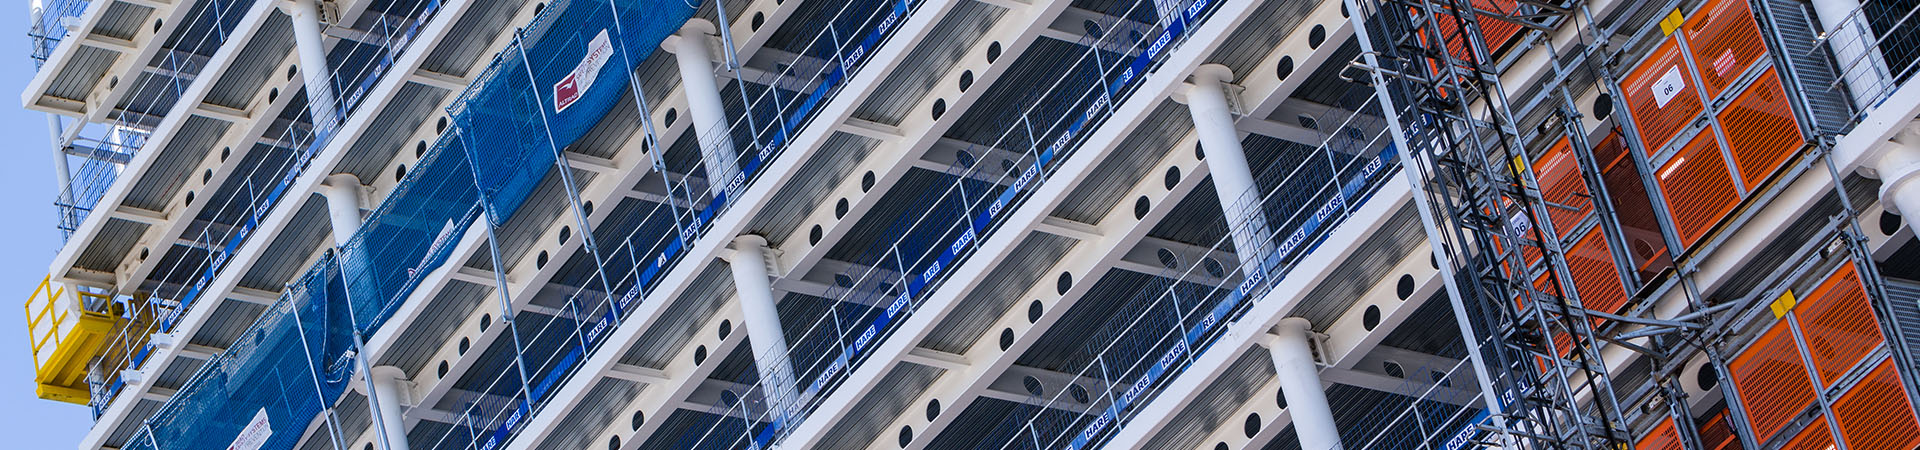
(64, 336)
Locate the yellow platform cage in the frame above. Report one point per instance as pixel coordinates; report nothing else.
(65, 336)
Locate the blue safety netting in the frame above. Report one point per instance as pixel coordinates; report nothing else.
(541, 95)
(263, 177)
(295, 361)
(272, 382)
(409, 235)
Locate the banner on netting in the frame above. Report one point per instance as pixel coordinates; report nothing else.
(551, 87)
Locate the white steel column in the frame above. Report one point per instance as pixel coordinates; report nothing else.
(1232, 179)
(342, 191)
(1849, 37)
(313, 60)
(389, 386)
(762, 318)
(708, 114)
(1299, 380)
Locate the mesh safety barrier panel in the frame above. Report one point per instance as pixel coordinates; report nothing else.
(1658, 94)
(409, 235)
(1814, 437)
(1838, 325)
(1724, 41)
(1761, 131)
(1699, 188)
(1560, 182)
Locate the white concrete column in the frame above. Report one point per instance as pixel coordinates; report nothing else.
(1300, 384)
(343, 205)
(1849, 37)
(389, 389)
(1232, 178)
(1898, 168)
(313, 60)
(761, 315)
(704, 108)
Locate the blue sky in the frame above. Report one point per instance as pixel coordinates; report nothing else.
(26, 177)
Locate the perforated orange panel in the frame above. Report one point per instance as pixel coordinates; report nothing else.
(1724, 41)
(1838, 324)
(1761, 129)
(1632, 206)
(1594, 278)
(1594, 275)
(1698, 189)
(1657, 120)
(1559, 175)
(1662, 437)
(1875, 414)
(1496, 32)
(1717, 434)
(1771, 381)
(1814, 437)
(1562, 341)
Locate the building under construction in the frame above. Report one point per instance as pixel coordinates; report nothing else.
(993, 224)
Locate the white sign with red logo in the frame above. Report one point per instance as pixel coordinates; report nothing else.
(255, 434)
(568, 90)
